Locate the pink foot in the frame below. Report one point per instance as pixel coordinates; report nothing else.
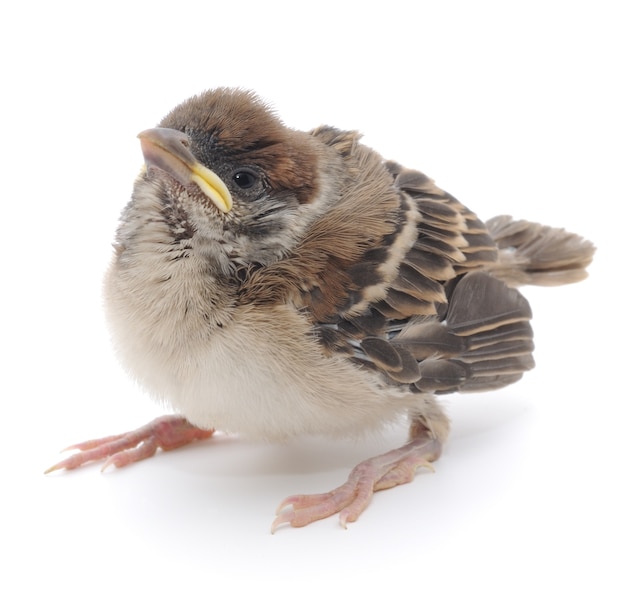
(166, 432)
(350, 499)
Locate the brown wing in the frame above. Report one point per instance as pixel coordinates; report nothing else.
(391, 276)
(444, 324)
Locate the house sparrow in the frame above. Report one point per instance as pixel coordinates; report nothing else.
(274, 283)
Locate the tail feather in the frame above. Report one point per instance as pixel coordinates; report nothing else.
(531, 253)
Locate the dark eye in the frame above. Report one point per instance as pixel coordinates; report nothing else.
(245, 178)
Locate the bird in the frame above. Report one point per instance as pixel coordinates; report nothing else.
(275, 283)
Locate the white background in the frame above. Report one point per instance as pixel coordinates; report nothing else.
(512, 107)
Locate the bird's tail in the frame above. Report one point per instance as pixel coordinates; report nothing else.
(531, 253)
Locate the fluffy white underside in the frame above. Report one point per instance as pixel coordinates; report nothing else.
(240, 377)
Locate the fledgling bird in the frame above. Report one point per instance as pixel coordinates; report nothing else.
(275, 283)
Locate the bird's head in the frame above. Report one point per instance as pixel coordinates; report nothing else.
(221, 168)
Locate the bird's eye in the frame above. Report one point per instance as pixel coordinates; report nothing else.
(244, 178)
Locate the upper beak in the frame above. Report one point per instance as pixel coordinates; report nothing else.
(168, 149)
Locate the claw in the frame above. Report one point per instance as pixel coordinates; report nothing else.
(283, 518)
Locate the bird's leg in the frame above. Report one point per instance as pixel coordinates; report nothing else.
(351, 498)
(166, 432)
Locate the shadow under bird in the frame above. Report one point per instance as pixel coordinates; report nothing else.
(276, 283)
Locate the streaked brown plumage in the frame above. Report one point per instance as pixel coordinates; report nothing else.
(274, 283)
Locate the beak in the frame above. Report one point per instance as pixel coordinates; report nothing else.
(168, 150)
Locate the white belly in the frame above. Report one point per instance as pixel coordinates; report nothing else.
(261, 375)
